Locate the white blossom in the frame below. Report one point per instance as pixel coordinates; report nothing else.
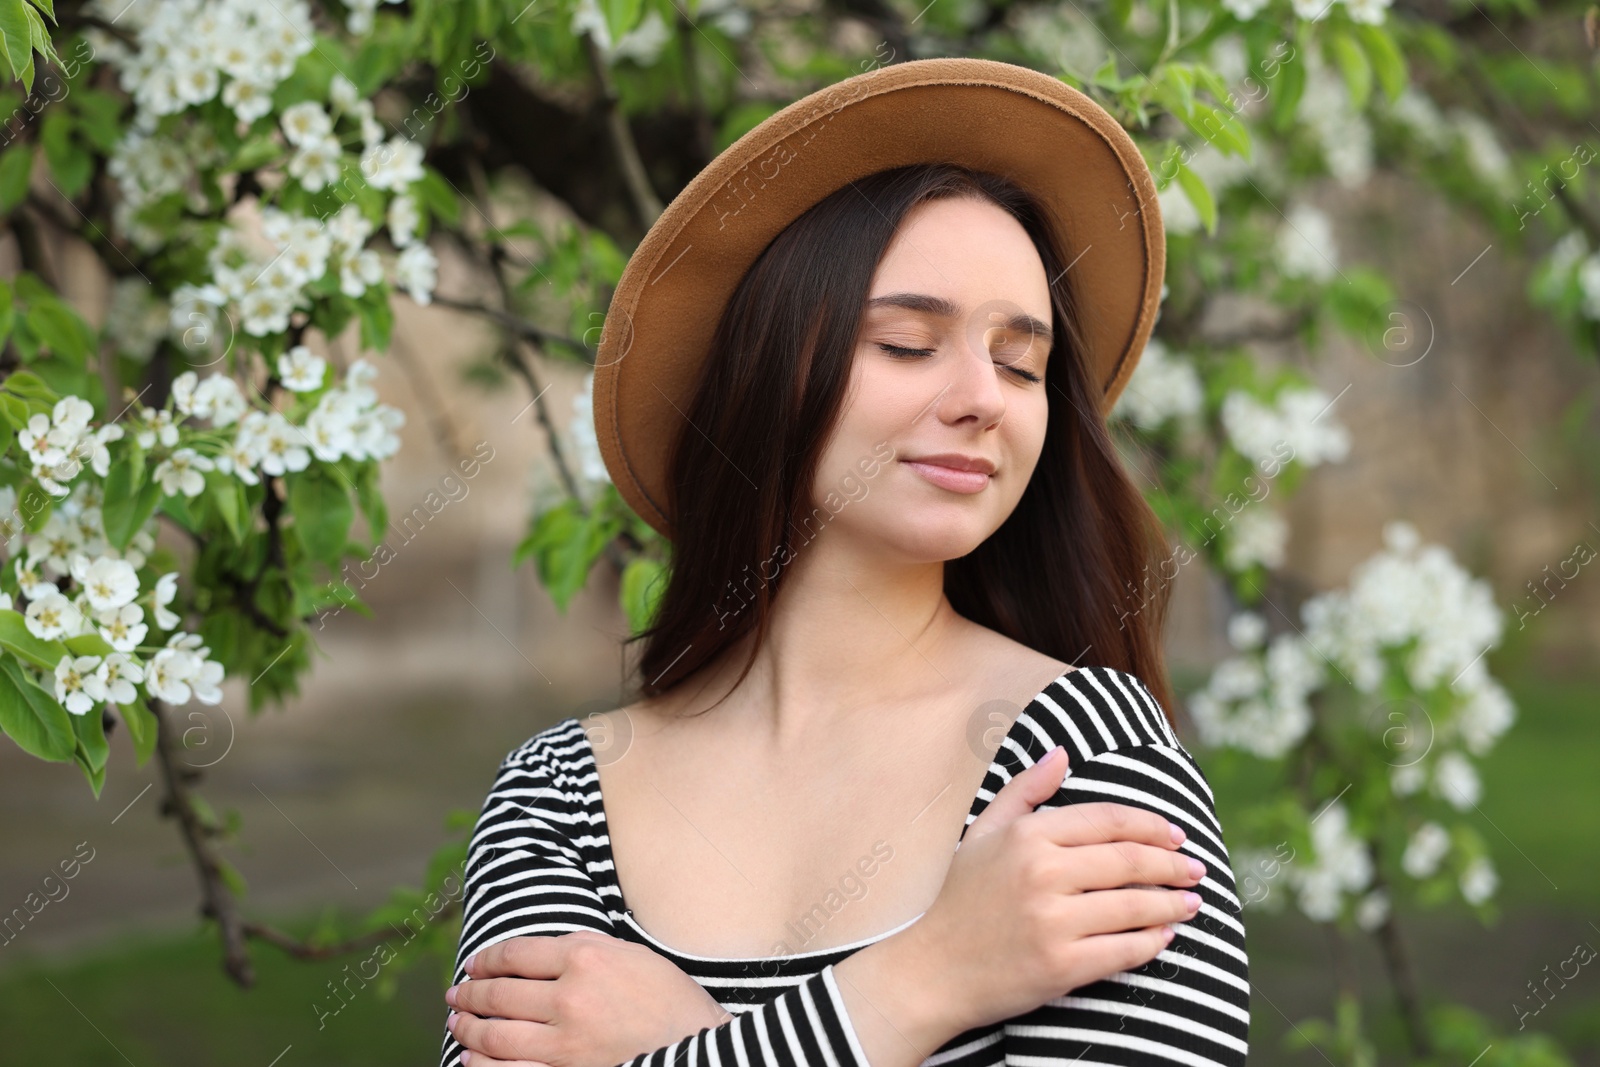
(1372, 910)
(1426, 848)
(1305, 245)
(416, 271)
(109, 583)
(1478, 880)
(1341, 864)
(1456, 780)
(166, 589)
(1297, 426)
(403, 219)
(590, 463)
(123, 628)
(305, 121)
(301, 370)
(52, 616)
(1163, 386)
(78, 687)
(117, 676)
(181, 472)
(1257, 535)
(1247, 630)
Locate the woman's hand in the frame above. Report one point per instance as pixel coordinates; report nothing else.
(1037, 903)
(584, 999)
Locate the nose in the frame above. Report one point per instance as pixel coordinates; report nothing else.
(973, 390)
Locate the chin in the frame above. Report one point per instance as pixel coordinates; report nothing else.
(939, 531)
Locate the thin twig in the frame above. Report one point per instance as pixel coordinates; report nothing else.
(645, 201)
(305, 950)
(516, 323)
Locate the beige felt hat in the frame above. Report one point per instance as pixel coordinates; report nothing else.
(993, 116)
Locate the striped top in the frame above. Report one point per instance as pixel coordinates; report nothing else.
(539, 862)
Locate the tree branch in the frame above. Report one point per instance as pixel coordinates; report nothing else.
(217, 900)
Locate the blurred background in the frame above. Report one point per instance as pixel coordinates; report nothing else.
(1434, 292)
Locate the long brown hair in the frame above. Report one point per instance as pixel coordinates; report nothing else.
(1056, 576)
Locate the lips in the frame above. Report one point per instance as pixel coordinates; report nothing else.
(956, 461)
(953, 471)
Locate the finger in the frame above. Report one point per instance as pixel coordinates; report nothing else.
(527, 999)
(1121, 863)
(531, 956)
(1022, 794)
(1099, 821)
(507, 1039)
(1114, 911)
(1106, 954)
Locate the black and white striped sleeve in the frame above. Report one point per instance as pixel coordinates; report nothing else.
(1191, 1004)
(525, 878)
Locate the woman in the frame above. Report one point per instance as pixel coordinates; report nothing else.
(896, 514)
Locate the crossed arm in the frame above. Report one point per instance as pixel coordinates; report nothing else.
(1189, 1005)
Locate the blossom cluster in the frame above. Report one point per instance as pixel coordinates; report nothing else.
(58, 444)
(1296, 418)
(108, 599)
(188, 52)
(1163, 386)
(1409, 599)
(1571, 261)
(347, 421)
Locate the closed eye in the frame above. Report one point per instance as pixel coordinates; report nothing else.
(900, 352)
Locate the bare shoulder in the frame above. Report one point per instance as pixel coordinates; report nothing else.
(1010, 665)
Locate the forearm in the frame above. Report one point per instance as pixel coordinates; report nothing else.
(899, 1013)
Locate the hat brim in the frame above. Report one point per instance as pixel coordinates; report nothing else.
(1033, 128)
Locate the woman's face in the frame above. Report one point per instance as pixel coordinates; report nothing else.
(949, 370)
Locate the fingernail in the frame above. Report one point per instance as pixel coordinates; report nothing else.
(1196, 868)
(1166, 936)
(1177, 833)
(466, 1058)
(450, 995)
(450, 1020)
(1191, 901)
(1051, 756)
(468, 965)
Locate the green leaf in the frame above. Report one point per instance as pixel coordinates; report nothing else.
(1353, 64)
(16, 638)
(322, 511)
(226, 494)
(26, 384)
(68, 160)
(88, 644)
(1221, 128)
(370, 496)
(1388, 62)
(564, 544)
(377, 318)
(621, 16)
(61, 330)
(129, 500)
(435, 194)
(17, 35)
(16, 163)
(30, 717)
(141, 723)
(643, 582)
(256, 152)
(92, 745)
(1194, 187)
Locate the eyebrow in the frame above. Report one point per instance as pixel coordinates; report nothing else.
(1021, 322)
